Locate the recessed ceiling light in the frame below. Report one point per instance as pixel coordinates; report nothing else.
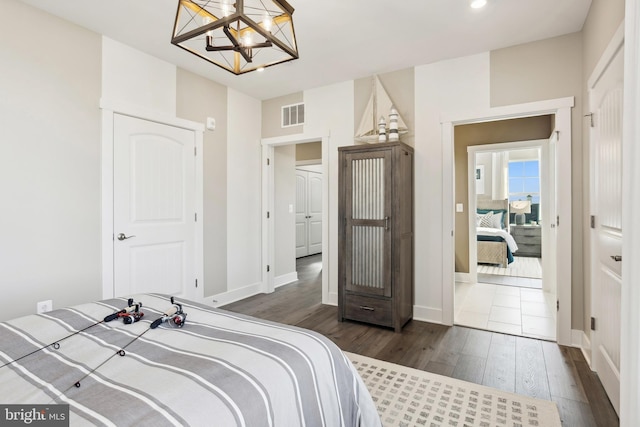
(260, 69)
(477, 4)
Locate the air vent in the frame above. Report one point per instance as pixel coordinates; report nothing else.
(292, 115)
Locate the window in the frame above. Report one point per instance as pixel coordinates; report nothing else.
(524, 180)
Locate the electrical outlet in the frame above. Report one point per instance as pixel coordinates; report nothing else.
(44, 306)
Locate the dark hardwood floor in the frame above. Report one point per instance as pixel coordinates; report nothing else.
(522, 365)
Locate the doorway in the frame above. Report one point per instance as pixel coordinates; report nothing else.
(509, 202)
(560, 110)
(298, 209)
(269, 146)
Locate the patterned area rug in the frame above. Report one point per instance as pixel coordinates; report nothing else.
(409, 397)
(520, 267)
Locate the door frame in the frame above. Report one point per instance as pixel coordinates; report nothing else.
(268, 204)
(630, 315)
(561, 108)
(472, 196)
(109, 110)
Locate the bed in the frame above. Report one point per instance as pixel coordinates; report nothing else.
(495, 244)
(219, 368)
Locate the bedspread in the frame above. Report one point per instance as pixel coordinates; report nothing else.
(219, 369)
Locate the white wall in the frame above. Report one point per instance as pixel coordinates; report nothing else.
(243, 191)
(451, 86)
(133, 77)
(329, 109)
(49, 161)
(284, 220)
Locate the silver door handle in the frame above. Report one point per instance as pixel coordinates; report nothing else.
(123, 236)
(616, 258)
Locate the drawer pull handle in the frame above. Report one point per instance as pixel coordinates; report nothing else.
(364, 307)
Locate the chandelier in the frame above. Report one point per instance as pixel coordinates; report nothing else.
(237, 35)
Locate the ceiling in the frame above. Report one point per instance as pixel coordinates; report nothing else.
(340, 40)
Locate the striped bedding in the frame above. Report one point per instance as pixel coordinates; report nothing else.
(220, 369)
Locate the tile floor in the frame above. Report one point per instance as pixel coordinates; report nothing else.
(507, 309)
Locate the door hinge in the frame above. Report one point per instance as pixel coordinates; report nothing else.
(195, 151)
(593, 221)
(593, 323)
(196, 216)
(268, 268)
(590, 115)
(268, 215)
(196, 283)
(268, 161)
(558, 221)
(557, 305)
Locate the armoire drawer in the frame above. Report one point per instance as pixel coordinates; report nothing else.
(368, 309)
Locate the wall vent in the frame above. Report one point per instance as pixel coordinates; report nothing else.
(292, 115)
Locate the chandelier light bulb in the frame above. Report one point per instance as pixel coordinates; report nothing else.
(477, 4)
(267, 23)
(247, 40)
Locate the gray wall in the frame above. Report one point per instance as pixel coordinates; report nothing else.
(272, 112)
(196, 99)
(309, 151)
(49, 161)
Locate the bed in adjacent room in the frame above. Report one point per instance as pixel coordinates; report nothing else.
(219, 368)
(495, 245)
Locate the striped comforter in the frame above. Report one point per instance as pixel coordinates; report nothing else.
(220, 369)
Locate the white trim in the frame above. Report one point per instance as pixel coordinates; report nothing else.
(268, 231)
(427, 314)
(285, 279)
(630, 315)
(308, 162)
(224, 298)
(109, 109)
(332, 299)
(562, 109)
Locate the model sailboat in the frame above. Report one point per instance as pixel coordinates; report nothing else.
(373, 124)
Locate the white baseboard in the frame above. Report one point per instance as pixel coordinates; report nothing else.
(463, 277)
(234, 295)
(585, 346)
(332, 299)
(285, 279)
(427, 314)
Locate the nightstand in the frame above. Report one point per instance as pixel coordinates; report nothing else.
(529, 240)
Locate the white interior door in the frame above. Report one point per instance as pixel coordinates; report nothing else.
(549, 215)
(154, 208)
(314, 212)
(606, 148)
(302, 223)
(308, 212)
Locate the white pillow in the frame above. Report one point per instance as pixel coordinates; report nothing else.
(496, 220)
(486, 220)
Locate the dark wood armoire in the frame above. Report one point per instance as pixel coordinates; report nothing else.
(376, 243)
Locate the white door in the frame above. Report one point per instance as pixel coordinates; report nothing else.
(154, 208)
(606, 149)
(549, 217)
(308, 213)
(302, 223)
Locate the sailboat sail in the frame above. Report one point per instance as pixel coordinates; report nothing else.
(379, 105)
